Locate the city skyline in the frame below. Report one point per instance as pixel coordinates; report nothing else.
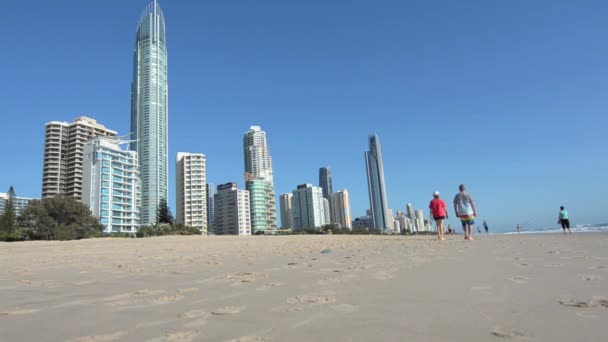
(393, 96)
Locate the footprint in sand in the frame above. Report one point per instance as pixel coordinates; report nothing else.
(594, 302)
(509, 334)
(587, 277)
(179, 336)
(248, 339)
(518, 279)
(19, 312)
(228, 310)
(101, 338)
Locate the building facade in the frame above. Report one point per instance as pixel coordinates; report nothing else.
(191, 190)
(325, 182)
(232, 215)
(257, 204)
(411, 214)
(19, 203)
(420, 224)
(376, 185)
(111, 184)
(63, 155)
(210, 187)
(308, 207)
(285, 201)
(340, 208)
(258, 168)
(149, 109)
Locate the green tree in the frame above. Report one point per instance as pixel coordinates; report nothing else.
(8, 218)
(59, 218)
(163, 214)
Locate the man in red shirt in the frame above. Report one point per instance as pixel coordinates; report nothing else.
(439, 213)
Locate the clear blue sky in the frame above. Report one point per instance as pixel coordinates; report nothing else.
(509, 97)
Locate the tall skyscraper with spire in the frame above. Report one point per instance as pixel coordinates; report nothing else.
(259, 180)
(376, 187)
(149, 110)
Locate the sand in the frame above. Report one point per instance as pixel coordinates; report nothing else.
(365, 288)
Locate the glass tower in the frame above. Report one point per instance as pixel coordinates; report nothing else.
(149, 109)
(375, 183)
(325, 182)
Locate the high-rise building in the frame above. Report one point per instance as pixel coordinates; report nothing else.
(411, 214)
(111, 184)
(326, 211)
(404, 222)
(285, 201)
(325, 182)
(376, 185)
(420, 225)
(308, 208)
(191, 190)
(396, 226)
(19, 203)
(63, 155)
(391, 218)
(210, 205)
(232, 215)
(258, 168)
(340, 208)
(149, 109)
(258, 189)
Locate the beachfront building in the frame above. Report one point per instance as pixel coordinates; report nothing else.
(391, 219)
(232, 215)
(191, 190)
(326, 211)
(150, 110)
(111, 184)
(376, 185)
(259, 177)
(308, 207)
(362, 222)
(285, 201)
(420, 225)
(411, 214)
(325, 182)
(63, 155)
(340, 208)
(404, 222)
(397, 226)
(210, 189)
(19, 203)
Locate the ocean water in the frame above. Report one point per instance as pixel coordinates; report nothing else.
(581, 228)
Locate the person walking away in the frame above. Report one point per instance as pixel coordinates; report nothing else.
(485, 226)
(518, 229)
(439, 213)
(564, 220)
(465, 209)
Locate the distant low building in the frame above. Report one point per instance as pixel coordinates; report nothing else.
(340, 208)
(19, 203)
(363, 222)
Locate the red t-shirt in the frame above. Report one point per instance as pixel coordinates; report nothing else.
(437, 207)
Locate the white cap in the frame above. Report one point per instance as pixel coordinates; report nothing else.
(436, 193)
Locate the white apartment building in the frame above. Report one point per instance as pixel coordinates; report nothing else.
(191, 190)
(232, 214)
(111, 184)
(308, 207)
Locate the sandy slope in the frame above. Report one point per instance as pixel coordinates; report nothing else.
(369, 288)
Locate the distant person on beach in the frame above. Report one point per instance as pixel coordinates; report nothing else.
(439, 213)
(485, 226)
(518, 228)
(563, 219)
(450, 231)
(478, 230)
(464, 206)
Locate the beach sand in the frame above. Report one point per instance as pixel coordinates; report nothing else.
(536, 287)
